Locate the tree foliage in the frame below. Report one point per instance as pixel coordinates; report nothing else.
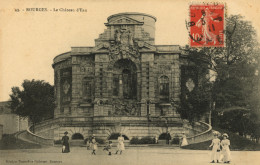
(194, 104)
(237, 82)
(35, 101)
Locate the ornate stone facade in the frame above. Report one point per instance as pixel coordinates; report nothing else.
(123, 75)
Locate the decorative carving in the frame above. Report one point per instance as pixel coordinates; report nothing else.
(86, 65)
(140, 44)
(117, 36)
(82, 68)
(124, 21)
(100, 102)
(190, 84)
(66, 87)
(106, 45)
(123, 45)
(124, 36)
(125, 108)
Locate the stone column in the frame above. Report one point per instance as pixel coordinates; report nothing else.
(147, 87)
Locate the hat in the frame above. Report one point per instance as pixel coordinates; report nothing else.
(215, 133)
(225, 134)
(66, 133)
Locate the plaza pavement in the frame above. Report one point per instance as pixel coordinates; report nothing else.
(131, 156)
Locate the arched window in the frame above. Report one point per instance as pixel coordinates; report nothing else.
(77, 136)
(164, 136)
(114, 136)
(125, 79)
(164, 88)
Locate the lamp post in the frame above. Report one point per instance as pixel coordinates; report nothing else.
(212, 78)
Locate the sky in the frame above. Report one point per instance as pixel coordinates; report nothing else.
(30, 40)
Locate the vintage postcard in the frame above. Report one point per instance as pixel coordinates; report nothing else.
(129, 82)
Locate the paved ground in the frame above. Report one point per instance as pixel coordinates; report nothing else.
(132, 155)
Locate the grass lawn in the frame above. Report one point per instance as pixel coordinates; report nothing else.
(10, 142)
(237, 143)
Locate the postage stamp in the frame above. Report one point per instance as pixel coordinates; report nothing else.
(206, 26)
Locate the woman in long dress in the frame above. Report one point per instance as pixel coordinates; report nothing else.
(215, 144)
(120, 145)
(225, 143)
(65, 143)
(94, 145)
(184, 140)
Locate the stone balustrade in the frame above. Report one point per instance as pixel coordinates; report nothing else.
(206, 133)
(38, 139)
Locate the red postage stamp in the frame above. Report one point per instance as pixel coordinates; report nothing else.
(207, 25)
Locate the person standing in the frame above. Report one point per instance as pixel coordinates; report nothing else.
(120, 145)
(215, 144)
(184, 140)
(225, 143)
(168, 137)
(65, 143)
(94, 145)
(156, 139)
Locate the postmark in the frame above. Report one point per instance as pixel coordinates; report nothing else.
(206, 25)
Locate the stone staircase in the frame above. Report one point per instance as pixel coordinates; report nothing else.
(201, 132)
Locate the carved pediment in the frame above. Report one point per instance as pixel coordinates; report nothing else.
(144, 46)
(101, 47)
(124, 21)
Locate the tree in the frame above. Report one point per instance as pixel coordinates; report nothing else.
(195, 103)
(235, 65)
(236, 85)
(235, 119)
(35, 101)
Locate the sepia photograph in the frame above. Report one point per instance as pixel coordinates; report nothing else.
(148, 82)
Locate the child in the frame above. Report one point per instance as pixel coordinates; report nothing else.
(108, 147)
(215, 144)
(88, 143)
(225, 143)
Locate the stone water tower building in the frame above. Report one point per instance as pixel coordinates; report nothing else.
(124, 84)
